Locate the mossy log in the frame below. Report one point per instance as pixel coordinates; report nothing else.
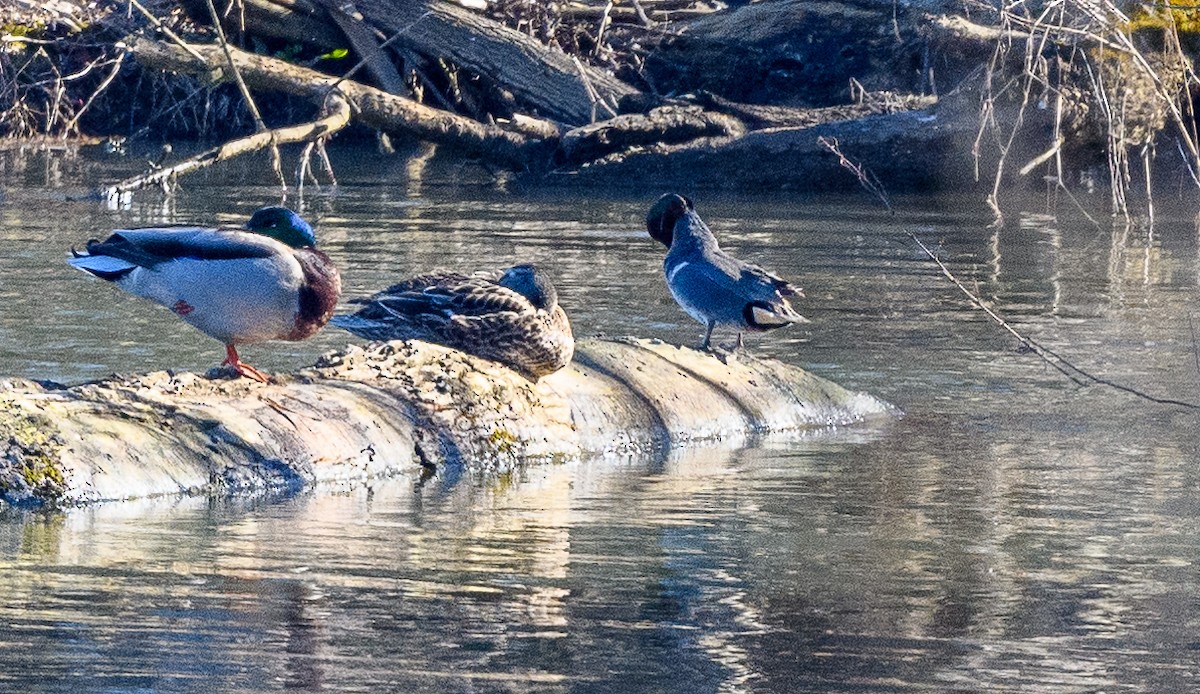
(387, 409)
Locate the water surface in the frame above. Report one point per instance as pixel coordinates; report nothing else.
(1013, 532)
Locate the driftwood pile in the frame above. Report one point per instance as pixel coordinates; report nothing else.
(584, 87)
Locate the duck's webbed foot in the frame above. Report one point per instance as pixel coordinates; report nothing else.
(252, 373)
(242, 368)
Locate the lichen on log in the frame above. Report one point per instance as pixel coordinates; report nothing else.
(387, 409)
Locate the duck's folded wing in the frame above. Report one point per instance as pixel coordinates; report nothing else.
(418, 284)
(149, 247)
(712, 279)
(754, 273)
(470, 298)
(728, 279)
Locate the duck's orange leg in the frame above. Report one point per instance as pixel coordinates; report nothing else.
(231, 359)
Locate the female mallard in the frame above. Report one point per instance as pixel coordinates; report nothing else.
(267, 282)
(515, 320)
(712, 286)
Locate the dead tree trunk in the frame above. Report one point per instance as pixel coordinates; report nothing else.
(546, 80)
(389, 409)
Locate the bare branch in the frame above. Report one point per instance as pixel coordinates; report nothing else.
(337, 118)
(1060, 363)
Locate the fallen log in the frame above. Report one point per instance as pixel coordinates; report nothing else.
(663, 125)
(759, 117)
(338, 117)
(926, 149)
(387, 409)
(376, 108)
(549, 81)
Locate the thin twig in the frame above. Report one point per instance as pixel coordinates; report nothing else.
(605, 18)
(336, 117)
(326, 164)
(1067, 368)
(866, 178)
(1195, 347)
(166, 30)
(593, 95)
(386, 43)
(260, 126)
(1078, 205)
(1078, 375)
(74, 122)
(1025, 341)
(641, 14)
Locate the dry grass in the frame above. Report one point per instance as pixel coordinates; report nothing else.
(1121, 83)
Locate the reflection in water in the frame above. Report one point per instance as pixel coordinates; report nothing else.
(1012, 533)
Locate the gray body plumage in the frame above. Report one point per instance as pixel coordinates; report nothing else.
(712, 286)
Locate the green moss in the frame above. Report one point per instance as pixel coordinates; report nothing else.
(503, 441)
(30, 467)
(1185, 20)
(34, 30)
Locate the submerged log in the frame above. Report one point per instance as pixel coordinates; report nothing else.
(387, 409)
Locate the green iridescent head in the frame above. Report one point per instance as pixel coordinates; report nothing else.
(283, 225)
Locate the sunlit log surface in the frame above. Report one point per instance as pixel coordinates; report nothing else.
(390, 408)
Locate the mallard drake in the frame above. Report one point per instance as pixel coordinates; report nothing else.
(265, 282)
(712, 286)
(514, 319)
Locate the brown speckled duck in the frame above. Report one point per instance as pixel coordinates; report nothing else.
(514, 319)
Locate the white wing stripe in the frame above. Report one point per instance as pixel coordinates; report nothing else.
(100, 263)
(675, 271)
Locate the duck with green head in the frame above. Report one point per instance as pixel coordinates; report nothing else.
(264, 282)
(709, 284)
(512, 317)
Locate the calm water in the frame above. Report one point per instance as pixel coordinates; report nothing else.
(1014, 532)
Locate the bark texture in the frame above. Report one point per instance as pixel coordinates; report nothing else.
(387, 409)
